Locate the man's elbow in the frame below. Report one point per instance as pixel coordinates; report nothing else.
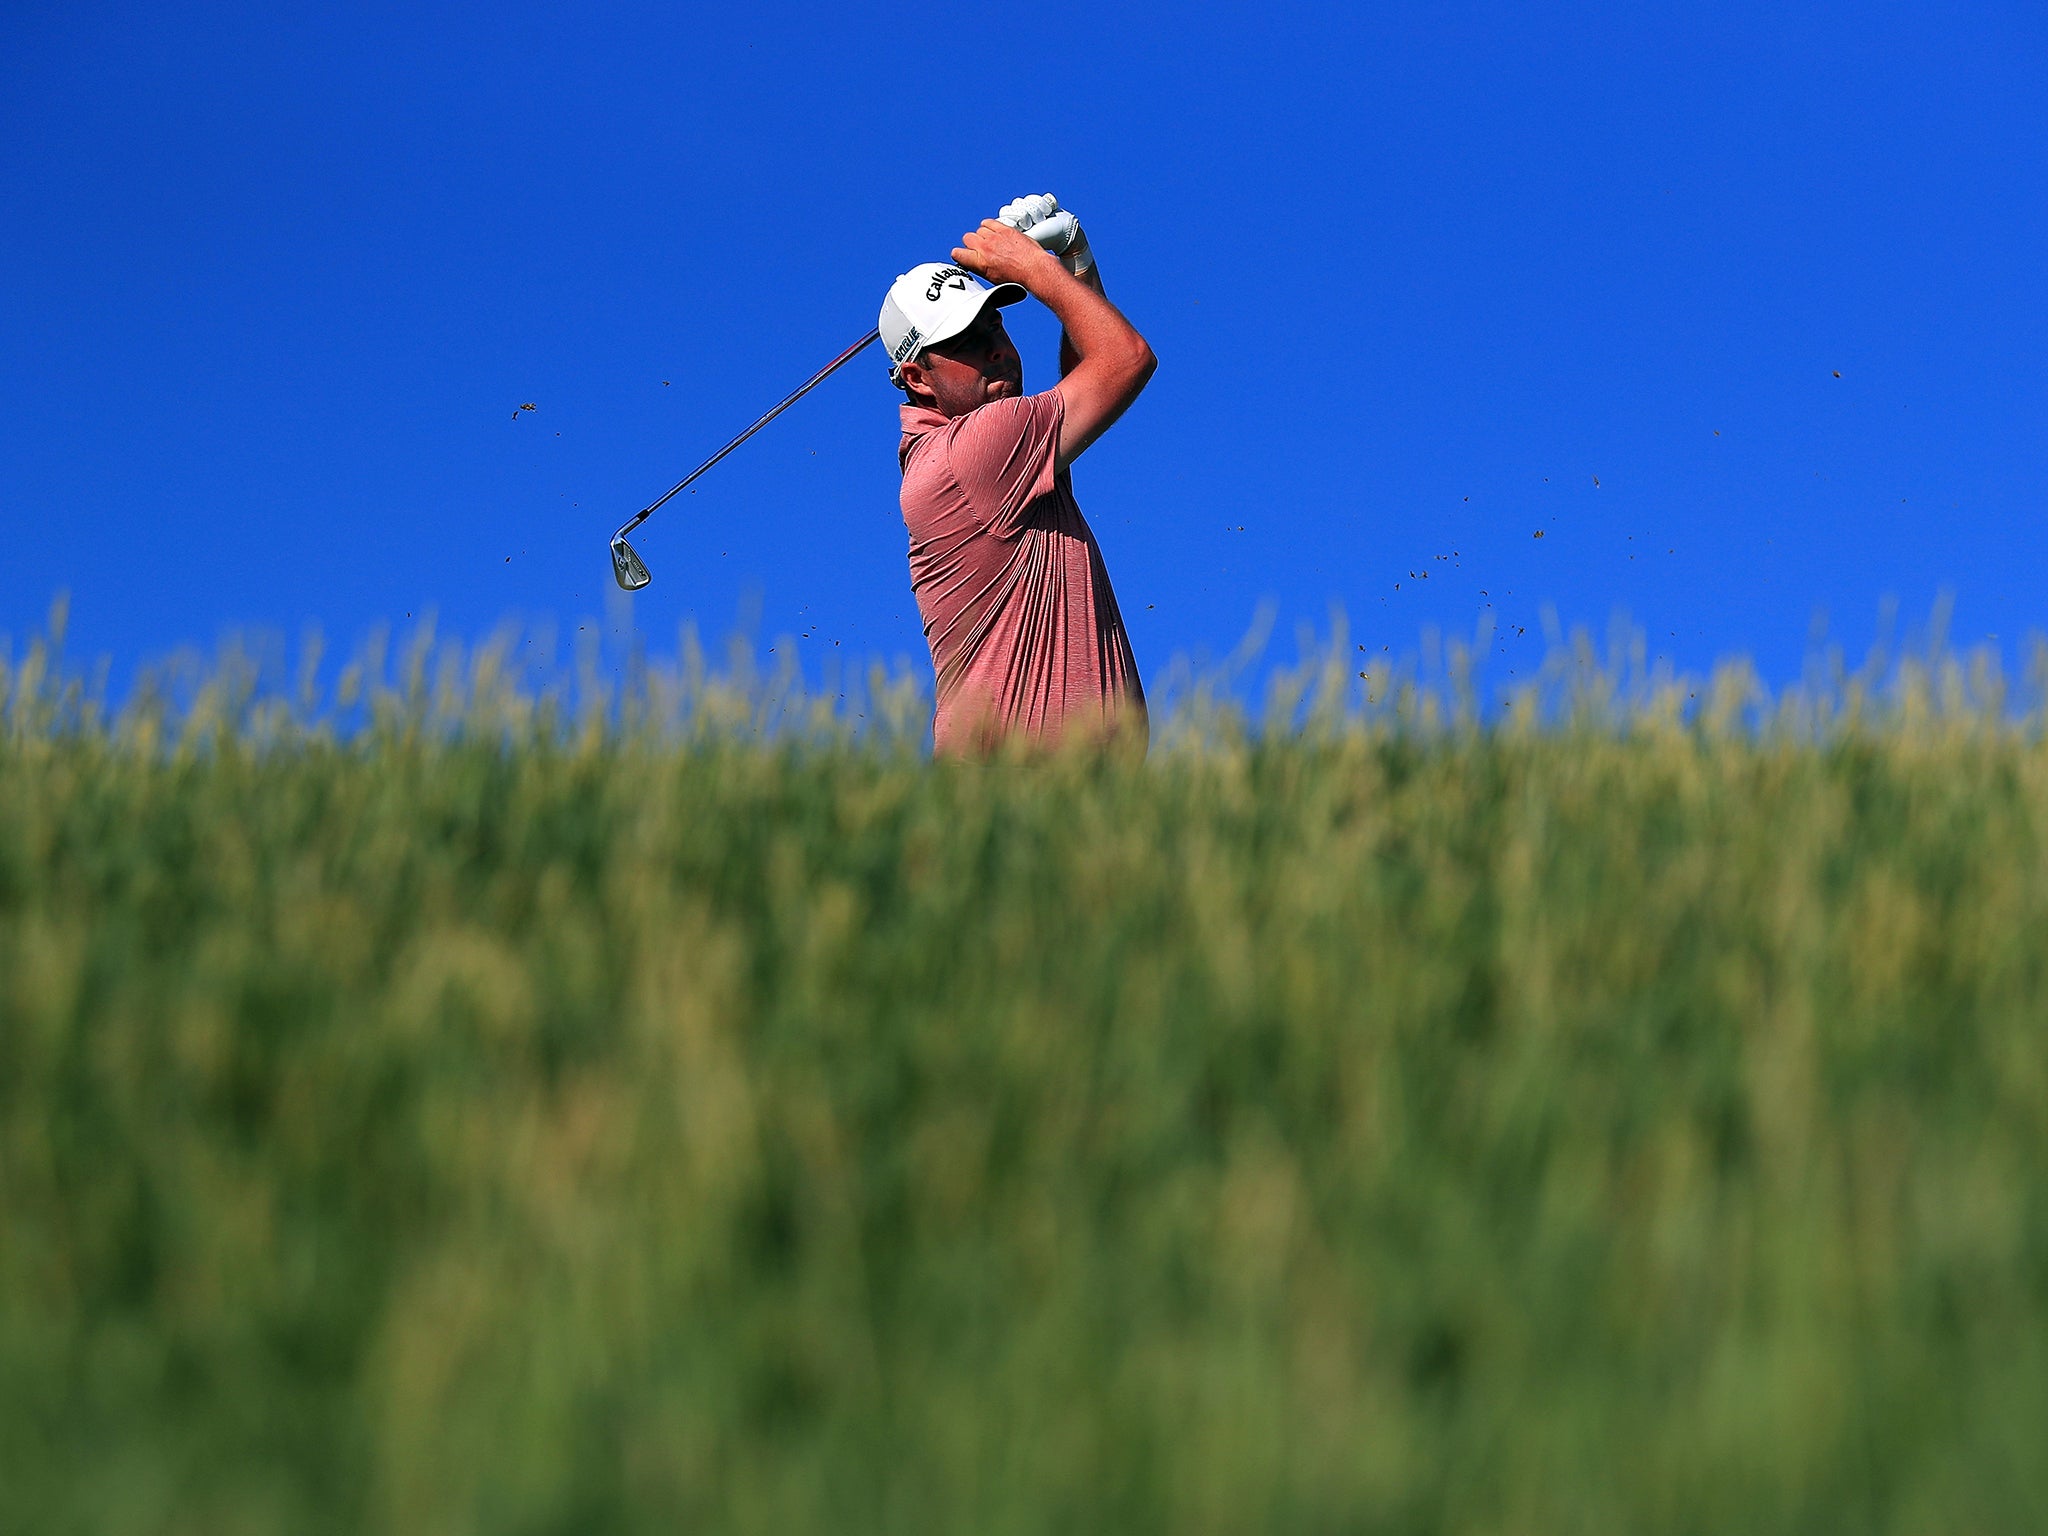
(1143, 364)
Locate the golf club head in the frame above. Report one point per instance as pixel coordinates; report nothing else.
(627, 566)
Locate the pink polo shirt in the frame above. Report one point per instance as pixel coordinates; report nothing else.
(1017, 608)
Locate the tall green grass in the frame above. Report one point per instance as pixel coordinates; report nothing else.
(473, 1115)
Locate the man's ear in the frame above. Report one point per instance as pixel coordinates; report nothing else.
(915, 384)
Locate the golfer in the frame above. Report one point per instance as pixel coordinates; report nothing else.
(1024, 630)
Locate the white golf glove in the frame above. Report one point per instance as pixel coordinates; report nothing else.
(1041, 217)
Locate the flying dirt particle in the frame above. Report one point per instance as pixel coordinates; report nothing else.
(664, 383)
(529, 406)
(1717, 432)
(1838, 373)
(1361, 674)
(1150, 606)
(1596, 482)
(1539, 533)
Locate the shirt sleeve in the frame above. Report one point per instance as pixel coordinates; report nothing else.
(1005, 456)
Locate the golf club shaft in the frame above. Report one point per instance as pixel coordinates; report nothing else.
(801, 390)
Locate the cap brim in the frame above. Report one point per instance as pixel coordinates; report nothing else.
(1001, 296)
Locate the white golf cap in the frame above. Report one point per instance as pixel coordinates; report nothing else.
(933, 303)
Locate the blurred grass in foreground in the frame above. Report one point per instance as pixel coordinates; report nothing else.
(1628, 1116)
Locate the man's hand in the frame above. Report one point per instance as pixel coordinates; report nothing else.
(1005, 255)
(1023, 212)
(1041, 217)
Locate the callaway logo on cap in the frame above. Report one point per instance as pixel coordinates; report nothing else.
(933, 303)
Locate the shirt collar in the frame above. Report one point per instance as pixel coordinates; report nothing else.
(919, 419)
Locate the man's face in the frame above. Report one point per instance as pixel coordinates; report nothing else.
(969, 370)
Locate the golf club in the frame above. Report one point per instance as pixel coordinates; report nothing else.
(626, 565)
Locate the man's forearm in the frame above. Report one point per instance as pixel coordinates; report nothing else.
(1068, 355)
(1090, 323)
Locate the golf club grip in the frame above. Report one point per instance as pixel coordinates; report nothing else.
(791, 399)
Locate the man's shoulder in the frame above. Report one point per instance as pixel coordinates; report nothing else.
(1001, 424)
(1010, 414)
(993, 463)
(931, 442)
(1014, 413)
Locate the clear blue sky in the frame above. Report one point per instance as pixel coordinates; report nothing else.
(273, 280)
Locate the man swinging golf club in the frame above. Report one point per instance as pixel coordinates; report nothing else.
(1025, 635)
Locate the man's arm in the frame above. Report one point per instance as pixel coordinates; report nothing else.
(1041, 217)
(1092, 276)
(1112, 362)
